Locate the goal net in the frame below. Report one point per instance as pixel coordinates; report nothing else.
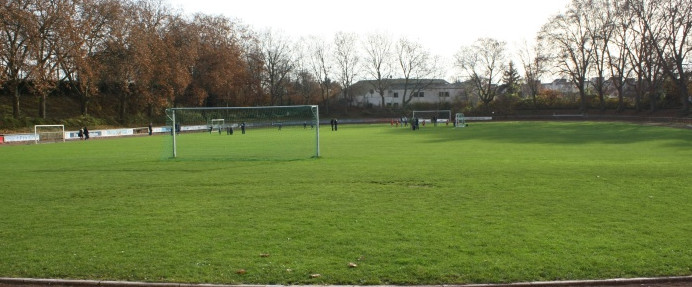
(459, 120)
(216, 124)
(434, 116)
(49, 133)
(243, 133)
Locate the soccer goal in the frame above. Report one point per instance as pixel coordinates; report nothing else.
(459, 120)
(439, 116)
(216, 124)
(245, 133)
(49, 133)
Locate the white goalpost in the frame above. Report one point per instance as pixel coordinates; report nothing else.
(217, 124)
(49, 133)
(459, 120)
(434, 116)
(244, 133)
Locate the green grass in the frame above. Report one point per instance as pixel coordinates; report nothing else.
(494, 202)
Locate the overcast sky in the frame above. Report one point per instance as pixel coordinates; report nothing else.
(442, 26)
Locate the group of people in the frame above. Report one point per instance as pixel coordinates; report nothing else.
(403, 121)
(415, 124)
(229, 129)
(83, 133)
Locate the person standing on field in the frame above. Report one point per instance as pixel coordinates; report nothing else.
(86, 133)
(242, 127)
(81, 134)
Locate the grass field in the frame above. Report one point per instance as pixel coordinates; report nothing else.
(494, 202)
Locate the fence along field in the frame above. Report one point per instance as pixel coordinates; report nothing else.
(493, 202)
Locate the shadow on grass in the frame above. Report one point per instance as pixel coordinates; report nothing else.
(566, 133)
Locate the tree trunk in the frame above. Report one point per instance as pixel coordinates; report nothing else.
(582, 98)
(122, 107)
(621, 99)
(652, 102)
(42, 105)
(601, 99)
(684, 96)
(15, 100)
(84, 102)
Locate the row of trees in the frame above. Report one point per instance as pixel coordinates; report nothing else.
(614, 41)
(144, 57)
(596, 44)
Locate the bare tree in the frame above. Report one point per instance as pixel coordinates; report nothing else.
(304, 83)
(534, 63)
(483, 63)
(347, 59)
(571, 45)
(252, 90)
(278, 63)
(321, 67)
(646, 63)
(18, 35)
(668, 29)
(378, 62)
(601, 32)
(618, 60)
(49, 16)
(418, 68)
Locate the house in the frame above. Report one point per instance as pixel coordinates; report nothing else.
(396, 91)
(563, 86)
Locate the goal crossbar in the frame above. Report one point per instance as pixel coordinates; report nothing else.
(58, 133)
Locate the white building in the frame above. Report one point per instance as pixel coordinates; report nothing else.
(563, 86)
(430, 91)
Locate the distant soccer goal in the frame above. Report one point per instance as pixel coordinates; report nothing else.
(49, 133)
(459, 120)
(217, 124)
(244, 133)
(434, 116)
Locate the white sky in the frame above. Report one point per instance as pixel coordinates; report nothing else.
(442, 26)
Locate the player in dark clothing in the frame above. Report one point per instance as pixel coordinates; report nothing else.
(242, 127)
(86, 133)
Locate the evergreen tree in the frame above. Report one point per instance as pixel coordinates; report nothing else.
(511, 79)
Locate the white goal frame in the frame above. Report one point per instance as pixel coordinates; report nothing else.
(37, 134)
(175, 126)
(459, 120)
(214, 123)
(448, 112)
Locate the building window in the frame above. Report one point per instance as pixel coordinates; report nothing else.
(419, 94)
(444, 94)
(396, 95)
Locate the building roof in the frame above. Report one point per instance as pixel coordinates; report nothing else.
(400, 84)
